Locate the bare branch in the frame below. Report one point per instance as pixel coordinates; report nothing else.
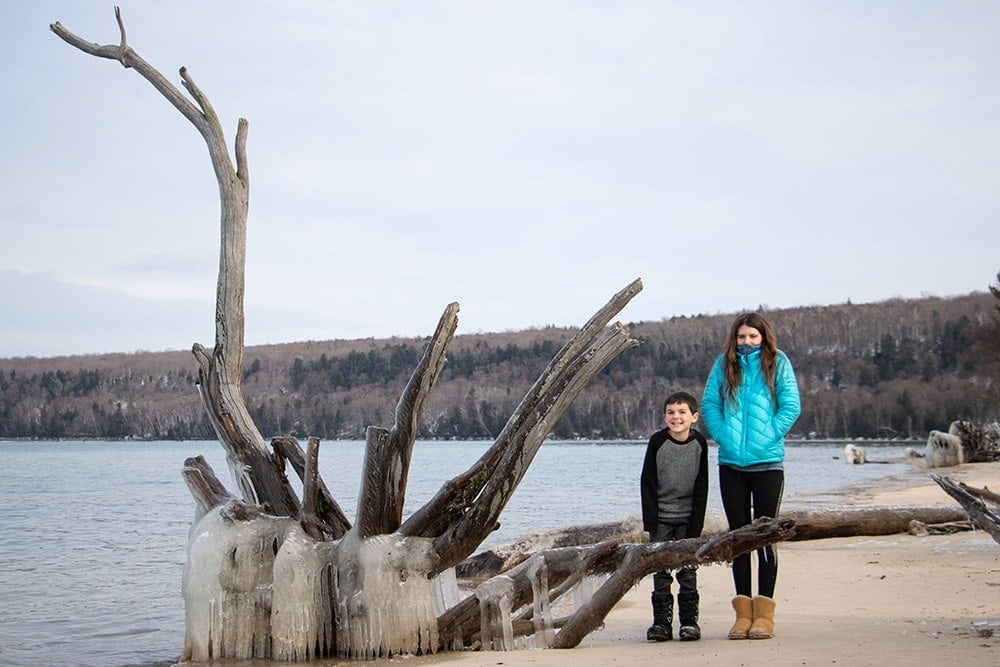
(981, 516)
(242, 167)
(310, 520)
(414, 397)
(212, 129)
(130, 59)
(205, 487)
(983, 494)
(330, 516)
(388, 452)
(124, 41)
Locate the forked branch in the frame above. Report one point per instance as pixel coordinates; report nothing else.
(253, 467)
(388, 452)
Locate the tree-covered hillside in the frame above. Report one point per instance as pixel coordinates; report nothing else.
(897, 368)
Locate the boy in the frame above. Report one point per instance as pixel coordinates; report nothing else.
(674, 491)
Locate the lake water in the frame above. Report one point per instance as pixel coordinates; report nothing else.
(95, 533)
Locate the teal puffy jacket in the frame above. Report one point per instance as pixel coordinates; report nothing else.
(751, 429)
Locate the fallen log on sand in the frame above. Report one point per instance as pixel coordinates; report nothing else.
(810, 524)
(816, 524)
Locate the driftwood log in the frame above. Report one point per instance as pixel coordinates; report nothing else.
(624, 564)
(503, 557)
(810, 524)
(270, 576)
(814, 524)
(974, 503)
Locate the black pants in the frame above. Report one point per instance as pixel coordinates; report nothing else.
(687, 576)
(747, 496)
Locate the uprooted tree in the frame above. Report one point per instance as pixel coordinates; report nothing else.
(270, 576)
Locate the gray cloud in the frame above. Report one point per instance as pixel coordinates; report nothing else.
(526, 160)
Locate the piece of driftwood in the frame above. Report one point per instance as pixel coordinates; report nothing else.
(921, 529)
(982, 516)
(810, 524)
(503, 557)
(624, 564)
(983, 494)
(820, 523)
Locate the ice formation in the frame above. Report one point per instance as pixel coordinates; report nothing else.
(495, 600)
(260, 587)
(446, 594)
(384, 597)
(541, 610)
(227, 585)
(584, 590)
(302, 623)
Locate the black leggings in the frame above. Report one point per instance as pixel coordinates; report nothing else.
(761, 492)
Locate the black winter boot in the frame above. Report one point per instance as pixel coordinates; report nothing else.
(687, 611)
(663, 618)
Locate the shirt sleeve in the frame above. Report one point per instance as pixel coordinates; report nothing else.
(647, 487)
(699, 499)
(712, 402)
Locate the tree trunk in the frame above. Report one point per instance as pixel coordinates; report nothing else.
(268, 576)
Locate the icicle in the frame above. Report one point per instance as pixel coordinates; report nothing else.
(495, 600)
(538, 574)
(583, 591)
(446, 593)
(385, 600)
(446, 596)
(301, 613)
(227, 585)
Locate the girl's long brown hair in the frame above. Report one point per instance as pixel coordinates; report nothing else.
(768, 352)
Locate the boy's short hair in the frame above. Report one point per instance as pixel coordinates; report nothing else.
(681, 397)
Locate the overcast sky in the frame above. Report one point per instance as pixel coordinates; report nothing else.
(526, 159)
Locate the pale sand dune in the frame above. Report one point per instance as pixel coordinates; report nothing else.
(896, 600)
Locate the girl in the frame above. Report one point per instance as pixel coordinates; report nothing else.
(751, 401)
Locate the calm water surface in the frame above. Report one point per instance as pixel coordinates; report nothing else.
(95, 533)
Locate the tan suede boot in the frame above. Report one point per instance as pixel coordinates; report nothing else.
(744, 617)
(763, 618)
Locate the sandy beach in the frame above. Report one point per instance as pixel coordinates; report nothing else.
(896, 600)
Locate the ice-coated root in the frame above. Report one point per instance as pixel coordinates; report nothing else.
(262, 588)
(496, 630)
(385, 600)
(227, 585)
(302, 623)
